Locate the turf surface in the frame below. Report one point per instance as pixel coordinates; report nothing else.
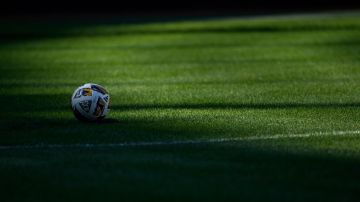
(183, 80)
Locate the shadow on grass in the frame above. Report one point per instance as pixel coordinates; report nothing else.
(32, 103)
(108, 121)
(17, 32)
(276, 169)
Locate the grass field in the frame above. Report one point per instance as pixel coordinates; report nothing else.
(178, 81)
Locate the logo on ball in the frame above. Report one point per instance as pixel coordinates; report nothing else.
(90, 102)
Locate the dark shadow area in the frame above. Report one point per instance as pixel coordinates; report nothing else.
(10, 32)
(250, 171)
(107, 121)
(19, 31)
(56, 9)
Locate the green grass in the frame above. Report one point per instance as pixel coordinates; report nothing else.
(183, 80)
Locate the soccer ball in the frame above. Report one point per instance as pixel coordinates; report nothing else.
(90, 102)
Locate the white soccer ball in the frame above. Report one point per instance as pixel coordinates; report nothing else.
(90, 102)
